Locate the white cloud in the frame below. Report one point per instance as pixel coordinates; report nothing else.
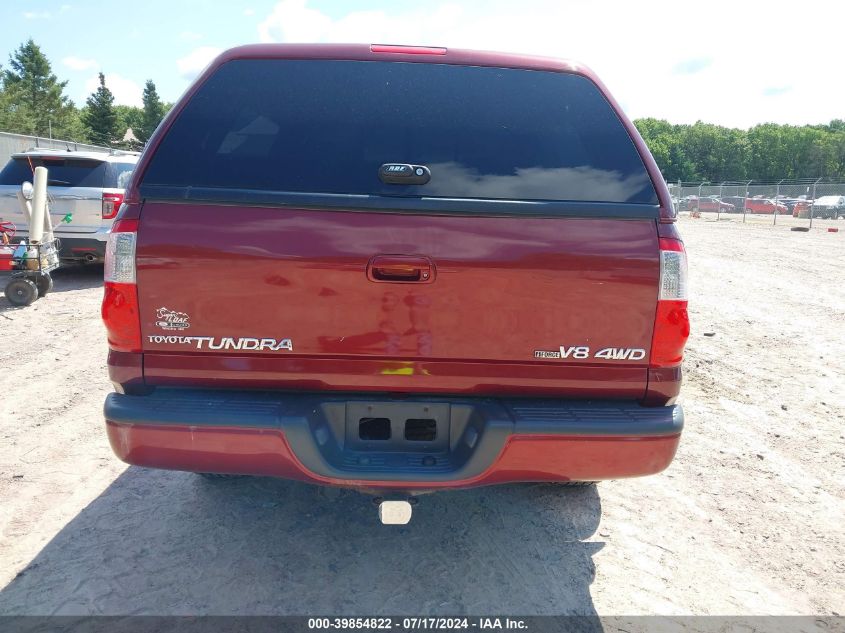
(37, 15)
(125, 91)
(194, 62)
(641, 54)
(190, 36)
(295, 21)
(249, 12)
(79, 63)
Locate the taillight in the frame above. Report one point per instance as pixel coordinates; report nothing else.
(671, 321)
(111, 204)
(120, 299)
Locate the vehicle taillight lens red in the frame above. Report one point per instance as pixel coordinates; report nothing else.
(120, 299)
(120, 315)
(671, 331)
(111, 204)
(671, 321)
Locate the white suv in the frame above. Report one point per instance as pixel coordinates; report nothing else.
(85, 190)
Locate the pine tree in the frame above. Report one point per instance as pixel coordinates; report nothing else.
(33, 101)
(13, 117)
(100, 116)
(153, 112)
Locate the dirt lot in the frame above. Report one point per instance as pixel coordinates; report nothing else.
(749, 519)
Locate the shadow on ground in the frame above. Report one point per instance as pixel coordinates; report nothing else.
(159, 542)
(77, 277)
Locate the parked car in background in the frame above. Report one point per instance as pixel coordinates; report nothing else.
(830, 207)
(789, 202)
(85, 191)
(712, 203)
(737, 201)
(687, 203)
(765, 205)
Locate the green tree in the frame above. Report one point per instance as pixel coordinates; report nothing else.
(100, 116)
(13, 118)
(765, 152)
(154, 111)
(666, 144)
(32, 96)
(129, 117)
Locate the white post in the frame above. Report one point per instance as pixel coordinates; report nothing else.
(48, 225)
(39, 205)
(26, 208)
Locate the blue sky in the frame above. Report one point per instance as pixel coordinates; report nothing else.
(737, 63)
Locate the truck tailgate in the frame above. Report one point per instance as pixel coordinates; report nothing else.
(505, 295)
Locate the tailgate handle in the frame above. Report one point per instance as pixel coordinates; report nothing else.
(400, 269)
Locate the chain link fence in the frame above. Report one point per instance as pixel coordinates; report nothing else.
(797, 202)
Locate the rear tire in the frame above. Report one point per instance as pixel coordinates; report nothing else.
(577, 484)
(21, 292)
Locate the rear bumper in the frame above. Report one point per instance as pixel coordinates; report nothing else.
(79, 246)
(307, 438)
(90, 249)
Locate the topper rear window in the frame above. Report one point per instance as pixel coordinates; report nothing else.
(327, 127)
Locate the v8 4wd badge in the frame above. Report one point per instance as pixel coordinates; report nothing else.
(582, 352)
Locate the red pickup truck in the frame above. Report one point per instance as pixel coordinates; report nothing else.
(398, 269)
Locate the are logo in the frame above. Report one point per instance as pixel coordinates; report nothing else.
(172, 320)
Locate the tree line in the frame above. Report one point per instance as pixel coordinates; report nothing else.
(33, 101)
(707, 152)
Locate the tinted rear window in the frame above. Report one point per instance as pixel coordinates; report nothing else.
(64, 172)
(327, 127)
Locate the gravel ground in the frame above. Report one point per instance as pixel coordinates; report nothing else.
(748, 520)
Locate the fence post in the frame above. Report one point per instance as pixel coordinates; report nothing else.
(813, 206)
(745, 201)
(719, 203)
(698, 202)
(777, 195)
